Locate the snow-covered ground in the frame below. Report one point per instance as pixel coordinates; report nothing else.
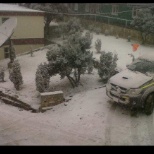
(88, 118)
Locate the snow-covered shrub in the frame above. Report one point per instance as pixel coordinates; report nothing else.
(90, 65)
(98, 45)
(128, 38)
(88, 38)
(106, 32)
(73, 26)
(91, 28)
(62, 29)
(15, 75)
(53, 53)
(12, 52)
(97, 30)
(107, 65)
(42, 78)
(2, 74)
(71, 60)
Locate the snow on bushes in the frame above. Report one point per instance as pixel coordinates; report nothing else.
(98, 45)
(15, 75)
(107, 66)
(42, 78)
(71, 59)
(73, 26)
(88, 38)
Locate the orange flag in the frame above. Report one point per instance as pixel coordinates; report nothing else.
(135, 47)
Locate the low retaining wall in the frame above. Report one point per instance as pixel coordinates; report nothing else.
(51, 98)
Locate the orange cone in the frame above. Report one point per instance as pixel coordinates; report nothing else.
(135, 47)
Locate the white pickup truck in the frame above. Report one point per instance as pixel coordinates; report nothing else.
(134, 86)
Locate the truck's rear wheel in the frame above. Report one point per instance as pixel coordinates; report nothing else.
(149, 104)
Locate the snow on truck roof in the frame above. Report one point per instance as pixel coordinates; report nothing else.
(148, 56)
(15, 8)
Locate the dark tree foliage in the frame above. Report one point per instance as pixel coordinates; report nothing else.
(42, 78)
(72, 59)
(107, 66)
(144, 22)
(15, 75)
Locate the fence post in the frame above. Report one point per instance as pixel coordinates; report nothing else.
(126, 24)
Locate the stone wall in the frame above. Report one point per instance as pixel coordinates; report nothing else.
(51, 98)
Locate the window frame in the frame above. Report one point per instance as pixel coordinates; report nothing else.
(6, 52)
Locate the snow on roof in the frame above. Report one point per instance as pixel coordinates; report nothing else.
(15, 8)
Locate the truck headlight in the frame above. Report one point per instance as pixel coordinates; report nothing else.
(134, 91)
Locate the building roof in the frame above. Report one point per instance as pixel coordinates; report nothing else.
(15, 8)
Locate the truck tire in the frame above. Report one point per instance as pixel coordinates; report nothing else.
(149, 104)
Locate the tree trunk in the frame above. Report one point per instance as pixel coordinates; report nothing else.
(143, 39)
(72, 81)
(47, 24)
(79, 73)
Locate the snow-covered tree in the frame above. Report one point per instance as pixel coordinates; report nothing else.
(72, 59)
(97, 30)
(42, 78)
(15, 75)
(12, 52)
(88, 38)
(63, 29)
(144, 22)
(73, 26)
(98, 45)
(2, 74)
(107, 66)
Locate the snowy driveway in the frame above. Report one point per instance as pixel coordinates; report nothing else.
(98, 123)
(87, 119)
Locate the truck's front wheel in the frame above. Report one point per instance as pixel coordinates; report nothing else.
(149, 104)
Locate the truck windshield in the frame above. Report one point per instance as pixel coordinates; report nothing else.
(142, 66)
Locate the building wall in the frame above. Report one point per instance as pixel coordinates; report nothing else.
(20, 49)
(29, 29)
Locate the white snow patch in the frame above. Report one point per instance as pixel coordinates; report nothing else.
(51, 93)
(52, 23)
(88, 118)
(16, 8)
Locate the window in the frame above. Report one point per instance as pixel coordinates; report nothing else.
(6, 52)
(135, 12)
(115, 9)
(4, 19)
(76, 6)
(87, 7)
